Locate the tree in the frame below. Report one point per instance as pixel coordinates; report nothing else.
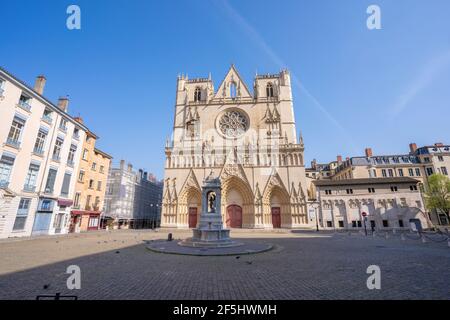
(437, 194)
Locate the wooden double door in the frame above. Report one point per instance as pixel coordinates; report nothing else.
(276, 217)
(234, 216)
(193, 218)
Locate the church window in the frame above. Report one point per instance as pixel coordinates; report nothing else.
(197, 94)
(233, 124)
(269, 90)
(233, 90)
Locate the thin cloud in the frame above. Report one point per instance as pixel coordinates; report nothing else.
(258, 39)
(427, 75)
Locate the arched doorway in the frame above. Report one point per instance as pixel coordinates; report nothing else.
(234, 216)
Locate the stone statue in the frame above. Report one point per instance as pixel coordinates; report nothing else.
(212, 202)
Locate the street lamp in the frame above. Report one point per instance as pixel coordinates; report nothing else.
(315, 206)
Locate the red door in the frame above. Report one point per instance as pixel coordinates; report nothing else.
(234, 216)
(276, 218)
(192, 218)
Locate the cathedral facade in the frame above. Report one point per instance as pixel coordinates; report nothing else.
(246, 139)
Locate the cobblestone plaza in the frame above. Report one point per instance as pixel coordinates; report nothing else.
(302, 265)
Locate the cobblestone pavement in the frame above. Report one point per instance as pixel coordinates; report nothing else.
(303, 265)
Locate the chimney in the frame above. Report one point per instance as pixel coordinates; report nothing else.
(130, 167)
(412, 147)
(339, 159)
(314, 164)
(40, 84)
(122, 164)
(63, 103)
(145, 175)
(369, 152)
(439, 144)
(79, 120)
(141, 173)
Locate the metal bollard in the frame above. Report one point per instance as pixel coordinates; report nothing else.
(387, 235)
(169, 237)
(402, 237)
(394, 231)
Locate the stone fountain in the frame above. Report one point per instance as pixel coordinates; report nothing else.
(210, 232)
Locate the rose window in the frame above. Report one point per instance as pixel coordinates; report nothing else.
(233, 124)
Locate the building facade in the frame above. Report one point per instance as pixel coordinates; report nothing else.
(385, 204)
(40, 150)
(133, 199)
(90, 187)
(246, 139)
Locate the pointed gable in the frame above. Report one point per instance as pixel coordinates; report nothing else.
(224, 90)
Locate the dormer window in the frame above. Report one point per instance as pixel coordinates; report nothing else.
(197, 94)
(233, 90)
(24, 102)
(2, 87)
(269, 90)
(47, 116)
(63, 125)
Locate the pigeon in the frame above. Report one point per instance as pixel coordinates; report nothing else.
(238, 257)
(117, 251)
(46, 286)
(249, 262)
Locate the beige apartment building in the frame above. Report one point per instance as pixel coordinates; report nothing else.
(373, 203)
(90, 186)
(419, 164)
(40, 150)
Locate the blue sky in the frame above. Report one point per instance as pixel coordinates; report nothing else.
(353, 88)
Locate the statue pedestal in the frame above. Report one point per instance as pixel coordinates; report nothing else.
(210, 233)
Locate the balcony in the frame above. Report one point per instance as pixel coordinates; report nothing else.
(13, 143)
(24, 105)
(56, 158)
(29, 188)
(38, 152)
(47, 118)
(4, 184)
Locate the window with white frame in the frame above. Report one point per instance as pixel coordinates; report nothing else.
(6, 165)
(411, 172)
(71, 157)
(400, 173)
(93, 222)
(430, 171)
(31, 178)
(66, 184)
(85, 154)
(76, 201)
(444, 171)
(40, 142)
(2, 87)
(418, 172)
(81, 176)
(22, 214)
(15, 132)
(24, 102)
(57, 149)
(63, 124)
